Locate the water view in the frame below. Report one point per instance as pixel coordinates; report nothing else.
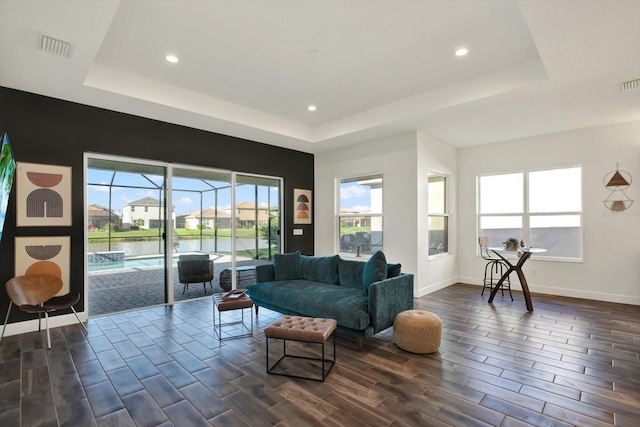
(132, 249)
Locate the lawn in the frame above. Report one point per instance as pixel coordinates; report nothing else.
(182, 233)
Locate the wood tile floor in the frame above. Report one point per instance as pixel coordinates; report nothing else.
(571, 362)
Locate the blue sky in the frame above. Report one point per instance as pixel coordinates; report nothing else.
(183, 202)
(355, 197)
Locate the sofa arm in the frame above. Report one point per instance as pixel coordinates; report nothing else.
(387, 298)
(265, 273)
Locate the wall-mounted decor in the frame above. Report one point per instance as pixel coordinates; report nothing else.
(7, 172)
(43, 195)
(44, 255)
(617, 181)
(301, 206)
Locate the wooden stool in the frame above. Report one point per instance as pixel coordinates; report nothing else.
(223, 302)
(302, 329)
(417, 331)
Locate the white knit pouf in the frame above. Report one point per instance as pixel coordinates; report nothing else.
(417, 331)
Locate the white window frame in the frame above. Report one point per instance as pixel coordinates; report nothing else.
(526, 214)
(339, 216)
(444, 214)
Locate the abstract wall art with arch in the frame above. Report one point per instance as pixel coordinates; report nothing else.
(302, 206)
(43, 195)
(44, 255)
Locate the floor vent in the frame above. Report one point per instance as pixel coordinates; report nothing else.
(55, 46)
(630, 85)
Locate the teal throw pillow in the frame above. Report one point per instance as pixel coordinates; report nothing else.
(374, 270)
(393, 270)
(287, 266)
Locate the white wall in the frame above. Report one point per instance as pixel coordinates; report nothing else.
(404, 160)
(610, 270)
(441, 270)
(395, 158)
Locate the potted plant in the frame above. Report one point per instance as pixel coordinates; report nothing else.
(511, 244)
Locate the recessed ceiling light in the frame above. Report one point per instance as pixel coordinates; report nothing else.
(462, 52)
(311, 108)
(171, 58)
(314, 52)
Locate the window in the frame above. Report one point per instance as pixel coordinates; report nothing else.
(438, 218)
(133, 208)
(360, 215)
(543, 208)
(146, 208)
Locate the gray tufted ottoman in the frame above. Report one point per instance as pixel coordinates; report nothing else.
(302, 329)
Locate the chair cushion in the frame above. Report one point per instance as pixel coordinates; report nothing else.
(374, 270)
(287, 266)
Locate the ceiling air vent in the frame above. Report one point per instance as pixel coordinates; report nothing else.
(630, 85)
(55, 46)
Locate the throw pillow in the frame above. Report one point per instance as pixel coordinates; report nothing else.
(287, 266)
(374, 270)
(393, 270)
(350, 273)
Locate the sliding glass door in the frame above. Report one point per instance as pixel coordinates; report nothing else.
(126, 223)
(144, 219)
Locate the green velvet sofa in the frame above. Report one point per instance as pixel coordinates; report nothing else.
(363, 297)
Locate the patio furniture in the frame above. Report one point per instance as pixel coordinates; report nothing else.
(244, 276)
(195, 269)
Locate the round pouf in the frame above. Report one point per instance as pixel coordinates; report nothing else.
(417, 331)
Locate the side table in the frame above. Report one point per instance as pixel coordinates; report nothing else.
(221, 302)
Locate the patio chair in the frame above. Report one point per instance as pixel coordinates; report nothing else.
(35, 293)
(195, 269)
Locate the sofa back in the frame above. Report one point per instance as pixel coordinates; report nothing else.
(320, 269)
(328, 269)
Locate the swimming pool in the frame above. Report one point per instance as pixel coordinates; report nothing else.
(127, 264)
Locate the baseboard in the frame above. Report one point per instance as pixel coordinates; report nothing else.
(32, 325)
(561, 292)
(434, 287)
(592, 295)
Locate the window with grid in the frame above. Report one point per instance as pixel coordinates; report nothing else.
(360, 215)
(543, 208)
(438, 217)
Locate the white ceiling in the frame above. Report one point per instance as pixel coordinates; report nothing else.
(373, 68)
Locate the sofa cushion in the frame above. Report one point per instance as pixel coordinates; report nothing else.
(393, 270)
(348, 306)
(320, 269)
(374, 270)
(350, 273)
(287, 266)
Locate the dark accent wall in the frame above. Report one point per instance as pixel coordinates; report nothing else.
(52, 131)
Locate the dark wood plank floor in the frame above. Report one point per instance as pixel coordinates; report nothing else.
(571, 362)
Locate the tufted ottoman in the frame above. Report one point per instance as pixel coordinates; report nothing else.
(417, 331)
(302, 329)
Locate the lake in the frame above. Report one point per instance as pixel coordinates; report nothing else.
(191, 245)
